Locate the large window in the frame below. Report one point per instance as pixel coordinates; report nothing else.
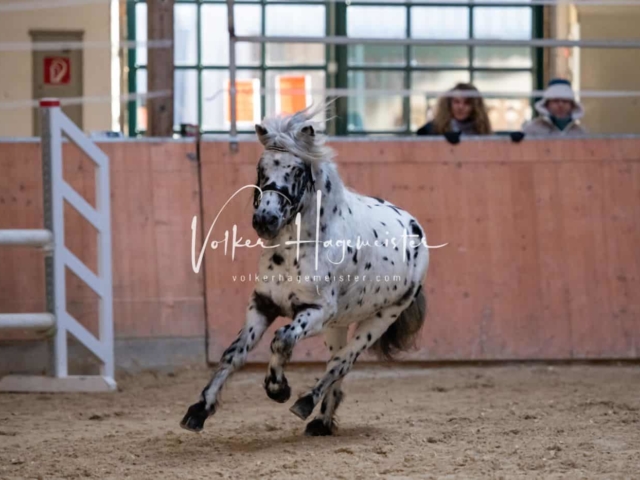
(275, 78)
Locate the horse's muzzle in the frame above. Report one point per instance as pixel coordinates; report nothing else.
(266, 225)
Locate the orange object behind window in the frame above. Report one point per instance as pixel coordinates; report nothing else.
(247, 99)
(292, 90)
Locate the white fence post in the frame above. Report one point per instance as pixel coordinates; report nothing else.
(59, 258)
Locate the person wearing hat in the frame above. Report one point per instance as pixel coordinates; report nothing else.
(559, 112)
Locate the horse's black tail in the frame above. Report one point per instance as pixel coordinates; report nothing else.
(402, 333)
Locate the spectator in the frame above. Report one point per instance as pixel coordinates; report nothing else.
(559, 112)
(463, 115)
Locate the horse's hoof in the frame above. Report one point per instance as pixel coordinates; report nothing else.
(317, 428)
(303, 407)
(281, 395)
(195, 417)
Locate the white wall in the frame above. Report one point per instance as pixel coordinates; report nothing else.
(610, 69)
(15, 67)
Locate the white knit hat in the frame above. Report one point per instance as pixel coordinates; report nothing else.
(559, 89)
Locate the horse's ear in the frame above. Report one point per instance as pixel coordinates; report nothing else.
(262, 134)
(309, 131)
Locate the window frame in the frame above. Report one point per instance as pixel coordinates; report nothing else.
(536, 68)
(336, 21)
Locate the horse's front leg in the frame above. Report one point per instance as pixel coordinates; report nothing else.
(261, 312)
(307, 322)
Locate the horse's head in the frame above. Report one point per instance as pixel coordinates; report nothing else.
(284, 178)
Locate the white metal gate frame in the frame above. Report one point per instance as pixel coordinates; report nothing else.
(58, 258)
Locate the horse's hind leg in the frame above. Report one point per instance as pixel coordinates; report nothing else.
(323, 424)
(364, 337)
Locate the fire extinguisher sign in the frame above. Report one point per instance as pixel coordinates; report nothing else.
(57, 71)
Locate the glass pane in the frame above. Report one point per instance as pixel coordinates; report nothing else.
(215, 99)
(292, 90)
(440, 56)
(215, 37)
(440, 22)
(141, 103)
(368, 112)
(376, 22)
(185, 100)
(141, 32)
(504, 81)
(502, 22)
(503, 57)
(283, 54)
(432, 83)
(184, 31)
(506, 114)
(296, 20)
(380, 55)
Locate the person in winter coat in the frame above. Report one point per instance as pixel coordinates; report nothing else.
(462, 115)
(559, 112)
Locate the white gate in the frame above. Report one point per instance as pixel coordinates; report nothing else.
(57, 258)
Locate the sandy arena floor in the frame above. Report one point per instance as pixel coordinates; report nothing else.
(500, 422)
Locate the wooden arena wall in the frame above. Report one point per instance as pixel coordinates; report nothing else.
(542, 258)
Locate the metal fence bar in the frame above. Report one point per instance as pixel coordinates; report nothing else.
(22, 321)
(233, 130)
(432, 42)
(26, 238)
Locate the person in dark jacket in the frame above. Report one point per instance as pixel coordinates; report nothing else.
(463, 115)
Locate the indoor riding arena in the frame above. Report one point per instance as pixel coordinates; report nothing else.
(142, 286)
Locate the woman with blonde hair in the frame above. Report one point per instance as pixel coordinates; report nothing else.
(464, 115)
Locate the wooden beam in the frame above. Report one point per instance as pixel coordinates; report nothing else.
(160, 68)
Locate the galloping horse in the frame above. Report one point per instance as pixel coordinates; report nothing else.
(335, 258)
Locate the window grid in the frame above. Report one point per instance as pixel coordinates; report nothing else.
(336, 79)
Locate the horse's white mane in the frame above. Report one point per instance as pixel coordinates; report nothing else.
(292, 133)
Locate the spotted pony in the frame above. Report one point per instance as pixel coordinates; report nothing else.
(371, 262)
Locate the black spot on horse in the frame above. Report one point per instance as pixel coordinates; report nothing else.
(394, 209)
(415, 230)
(267, 307)
(375, 233)
(277, 259)
(327, 185)
(355, 257)
(321, 211)
(380, 200)
(335, 209)
(367, 266)
(297, 308)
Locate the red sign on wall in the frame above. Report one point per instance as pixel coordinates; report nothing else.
(57, 71)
